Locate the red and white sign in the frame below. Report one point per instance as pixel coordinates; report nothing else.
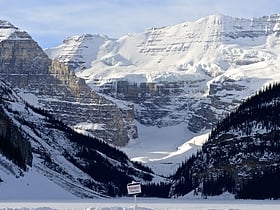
(134, 188)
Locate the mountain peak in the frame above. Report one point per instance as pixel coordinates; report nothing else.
(10, 32)
(84, 37)
(6, 24)
(78, 51)
(258, 25)
(214, 17)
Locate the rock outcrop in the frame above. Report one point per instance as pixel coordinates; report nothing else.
(25, 66)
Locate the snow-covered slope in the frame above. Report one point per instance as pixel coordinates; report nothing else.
(163, 149)
(37, 150)
(78, 51)
(18, 185)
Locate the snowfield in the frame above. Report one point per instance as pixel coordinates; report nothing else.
(145, 204)
(164, 149)
(207, 47)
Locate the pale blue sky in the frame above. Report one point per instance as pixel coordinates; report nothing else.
(50, 21)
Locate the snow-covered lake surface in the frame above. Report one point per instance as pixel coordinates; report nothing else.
(144, 204)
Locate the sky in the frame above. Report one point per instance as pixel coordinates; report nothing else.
(49, 22)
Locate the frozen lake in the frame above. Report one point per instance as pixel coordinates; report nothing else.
(144, 204)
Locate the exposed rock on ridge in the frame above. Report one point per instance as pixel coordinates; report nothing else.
(26, 67)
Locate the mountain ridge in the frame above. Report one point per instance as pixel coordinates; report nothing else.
(55, 87)
(221, 26)
(183, 69)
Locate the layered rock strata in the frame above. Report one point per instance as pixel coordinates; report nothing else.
(25, 66)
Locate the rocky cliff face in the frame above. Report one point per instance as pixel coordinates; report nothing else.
(170, 103)
(159, 104)
(25, 66)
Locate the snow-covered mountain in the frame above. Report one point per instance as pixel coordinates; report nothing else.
(186, 76)
(190, 61)
(160, 54)
(42, 158)
(52, 85)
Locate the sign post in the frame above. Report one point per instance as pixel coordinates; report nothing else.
(134, 188)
